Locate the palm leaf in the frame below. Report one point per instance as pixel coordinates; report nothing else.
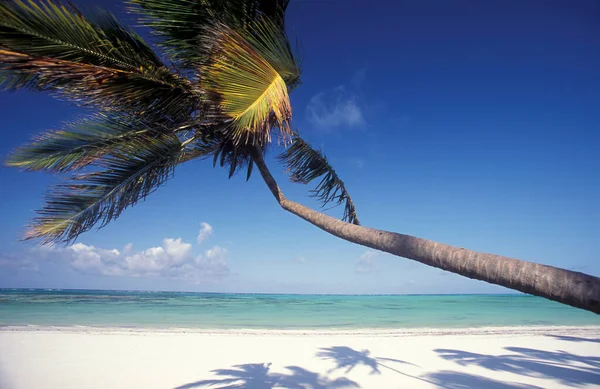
(245, 79)
(306, 164)
(82, 143)
(211, 141)
(95, 60)
(129, 175)
(95, 85)
(236, 158)
(181, 23)
(50, 29)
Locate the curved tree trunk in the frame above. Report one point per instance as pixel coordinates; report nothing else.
(568, 287)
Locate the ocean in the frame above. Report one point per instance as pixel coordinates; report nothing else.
(164, 310)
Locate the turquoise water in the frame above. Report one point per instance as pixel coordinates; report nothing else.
(262, 311)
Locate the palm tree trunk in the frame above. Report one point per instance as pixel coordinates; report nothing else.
(568, 287)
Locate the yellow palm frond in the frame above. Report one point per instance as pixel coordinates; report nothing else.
(247, 77)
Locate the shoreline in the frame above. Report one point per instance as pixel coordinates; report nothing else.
(590, 330)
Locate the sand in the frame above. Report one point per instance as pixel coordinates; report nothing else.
(71, 358)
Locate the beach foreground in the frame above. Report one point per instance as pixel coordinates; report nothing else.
(503, 358)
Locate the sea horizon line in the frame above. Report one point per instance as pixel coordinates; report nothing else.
(508, 293)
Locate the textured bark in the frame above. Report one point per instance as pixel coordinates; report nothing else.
(568, 287)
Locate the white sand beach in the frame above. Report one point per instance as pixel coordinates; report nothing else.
(71, 358)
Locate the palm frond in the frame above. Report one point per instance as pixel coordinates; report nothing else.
(210, 141)
(245, 78)
(10, 80)
(236, 158)
(83, 142)
(306, 164)
(92, 60)
(130, 174)
(181, 23)
(45, 28)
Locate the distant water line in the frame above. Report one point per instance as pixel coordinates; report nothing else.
(161, 310)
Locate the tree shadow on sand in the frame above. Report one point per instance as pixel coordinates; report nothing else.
(575, 338)
(456, 380)
(347, 358)
(259, 376)
(567, 368)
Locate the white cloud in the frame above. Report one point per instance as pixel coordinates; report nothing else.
(213, 262)
(206, 231)
(172, 259)
(299, 259)
(176, 248)
(91, 260)
(335, 108)
(367, 262)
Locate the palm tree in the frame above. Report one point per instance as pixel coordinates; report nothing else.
(225, 96)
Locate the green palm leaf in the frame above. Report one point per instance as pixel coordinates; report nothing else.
(96, 85)
(82, 143)
(49, 29)
(92, 60)
(130, 174)
(306, 164)
(181, 23)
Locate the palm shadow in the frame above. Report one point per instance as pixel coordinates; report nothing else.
(456, 380)
(567, 368)
(247, 376)
(575, 338)
(347, 358)
(301, 378)
(259, 376)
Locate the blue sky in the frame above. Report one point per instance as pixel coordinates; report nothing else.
(474, 123)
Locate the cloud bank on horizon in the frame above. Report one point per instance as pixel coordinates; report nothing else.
(173, 259)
